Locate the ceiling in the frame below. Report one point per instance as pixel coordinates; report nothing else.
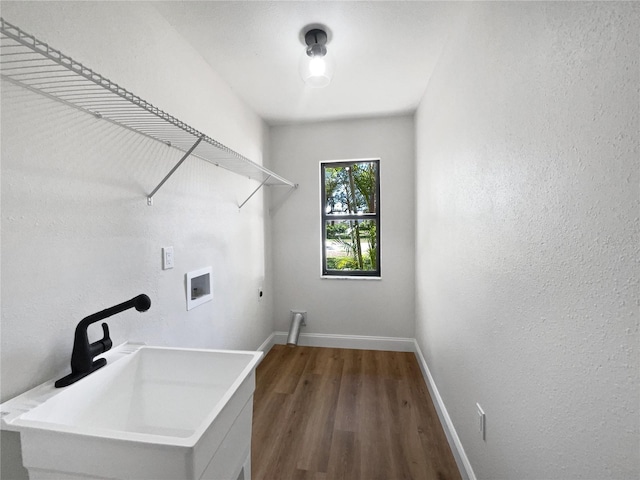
(384, 52)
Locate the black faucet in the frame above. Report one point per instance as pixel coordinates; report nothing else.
(82, 363)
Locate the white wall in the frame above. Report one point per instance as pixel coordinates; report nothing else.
(344, 307)
(77, 235)
(527, 238)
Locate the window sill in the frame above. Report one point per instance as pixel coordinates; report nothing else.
(348, 277)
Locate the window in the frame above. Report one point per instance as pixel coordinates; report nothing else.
(350, 194)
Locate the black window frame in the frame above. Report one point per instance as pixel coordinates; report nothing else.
(326, 217)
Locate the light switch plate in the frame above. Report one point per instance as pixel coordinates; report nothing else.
(167, 258)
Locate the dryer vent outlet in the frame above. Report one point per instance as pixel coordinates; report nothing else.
(298, 320)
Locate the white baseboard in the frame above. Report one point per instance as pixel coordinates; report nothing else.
(268, 343)
(447, 424)
(359, 342)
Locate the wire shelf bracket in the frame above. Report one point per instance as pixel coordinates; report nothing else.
(33, 64)
(254, 192)
(172, 171)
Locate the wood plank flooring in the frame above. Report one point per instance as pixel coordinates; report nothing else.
(331, 414)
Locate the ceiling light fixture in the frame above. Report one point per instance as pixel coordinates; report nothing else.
(316, 67)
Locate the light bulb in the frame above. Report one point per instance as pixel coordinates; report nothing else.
(317, 66)
(316, 71)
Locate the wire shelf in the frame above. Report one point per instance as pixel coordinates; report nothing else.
(32, 64)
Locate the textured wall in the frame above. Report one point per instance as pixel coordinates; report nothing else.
(349, 307)
(528, 238)
(77, 235)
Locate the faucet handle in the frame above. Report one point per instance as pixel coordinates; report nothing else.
(106, 339)
(101, 346)
(105, 331)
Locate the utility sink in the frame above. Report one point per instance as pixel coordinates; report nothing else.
(150, 413)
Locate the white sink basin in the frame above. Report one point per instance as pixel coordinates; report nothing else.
(156, 413)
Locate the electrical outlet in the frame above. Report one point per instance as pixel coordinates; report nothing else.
(167, 258)
(482, 421)
(260, 288)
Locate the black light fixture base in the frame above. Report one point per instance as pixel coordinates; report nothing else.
(308, 34)
(316, 40)
(315, 36)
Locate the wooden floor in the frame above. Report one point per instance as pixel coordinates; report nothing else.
(330, 414)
